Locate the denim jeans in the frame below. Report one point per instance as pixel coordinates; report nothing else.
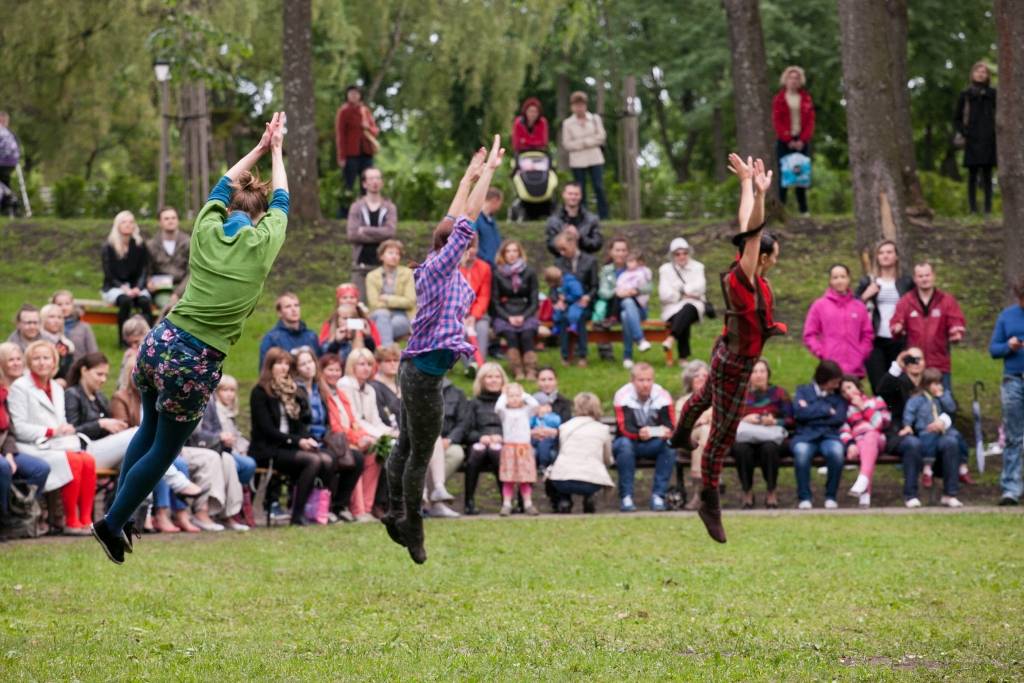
(596, 174)
(162, 496)
(909, 449)
(627, 451)
(631, 315)
(31, 470)
(946, 448)
(545, 450)
(581, 341)
(804, 451)
(1013, 425)
(246, 468)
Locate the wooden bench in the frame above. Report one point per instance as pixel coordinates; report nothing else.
(99, 312)
(655, 331)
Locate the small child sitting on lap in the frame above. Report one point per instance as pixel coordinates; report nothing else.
(566, 291)
(517, 465)
(929, 414)
(636, 276)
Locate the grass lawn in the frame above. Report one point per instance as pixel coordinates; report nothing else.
(790, 597)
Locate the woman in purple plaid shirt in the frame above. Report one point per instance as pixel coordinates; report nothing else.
(443, 298)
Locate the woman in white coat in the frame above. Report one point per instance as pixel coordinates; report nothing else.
(681, 289)
(584, 452)
(36, 406)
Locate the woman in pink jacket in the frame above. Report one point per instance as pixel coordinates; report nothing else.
(838, 325)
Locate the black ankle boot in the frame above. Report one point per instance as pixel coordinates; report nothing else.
(411, 529)
(710, 512)
(113, 543)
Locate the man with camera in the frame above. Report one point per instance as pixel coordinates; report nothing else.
(896, 387)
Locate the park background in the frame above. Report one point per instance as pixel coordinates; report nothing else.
(787, 598)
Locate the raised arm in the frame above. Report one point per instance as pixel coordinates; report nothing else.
(279, 177)
(744, 170)
(262, 147)
(762, 182)
(473, 171)
(476, 198)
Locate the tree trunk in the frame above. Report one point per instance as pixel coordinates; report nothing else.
(631, 149)
(1009, 114)
(718, 145)
(754, 134)
(561, 113)
(873, 126)
(899, 25)
(679, 164)
(394, 40)
(299, 105)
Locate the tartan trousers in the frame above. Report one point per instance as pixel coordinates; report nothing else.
(725, 393)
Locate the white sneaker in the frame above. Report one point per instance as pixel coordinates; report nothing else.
(441, 496)
(236, 526)
(365, 517)
(208, 526)
(346, 516)
(823, 470)
(443, 511)
(913, 503)
(667, 344)
(865, 500)
(831, 504)
(860, 486)
(951, 502)
(628, 364)
(805, 505)
(644, 345)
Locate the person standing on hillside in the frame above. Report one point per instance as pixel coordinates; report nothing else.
(975, 124)
(793, 120)
(443, 298)
(10, 154)
(583, 137)
(749, 322)
(235, 242)
(372, 219)
(355, 137)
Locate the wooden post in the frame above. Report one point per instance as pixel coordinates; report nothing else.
(165, 153)
(631, 149)
(561, 113)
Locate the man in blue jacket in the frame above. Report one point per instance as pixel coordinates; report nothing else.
(820, 411)
(1007, 340)
(290, 332)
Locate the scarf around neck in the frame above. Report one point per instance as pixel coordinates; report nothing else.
(285, 390)
(513, 270)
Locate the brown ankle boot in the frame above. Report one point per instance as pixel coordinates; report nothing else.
(530, 362)
(694, 502)
(515, 363)
(710, 513)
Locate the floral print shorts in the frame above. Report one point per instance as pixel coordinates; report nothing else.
(182, 371)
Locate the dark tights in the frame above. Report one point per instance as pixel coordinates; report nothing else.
(481, 459)
(524, 339)
(680, 324)
(976, 175)
(304, 467)
(126, 303)
(748, 456)
(421, 419)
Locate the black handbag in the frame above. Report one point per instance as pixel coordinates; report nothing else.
(336, 444)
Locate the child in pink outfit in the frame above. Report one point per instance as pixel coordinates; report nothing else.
(636, 276)
(863, 433)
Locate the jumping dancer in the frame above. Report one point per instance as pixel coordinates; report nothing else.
(236, 238)
(438, 340)
(748, 324)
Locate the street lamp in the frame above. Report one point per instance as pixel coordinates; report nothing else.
(162, 72)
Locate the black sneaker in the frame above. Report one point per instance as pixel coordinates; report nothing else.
(1007, 501)
(471, 509)
(113, 544)
(588, 505)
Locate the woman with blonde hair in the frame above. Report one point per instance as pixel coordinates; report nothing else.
(80, 333)
(585, 451)
(694, 376)
(29, 469)
(975, 124)
(483, 429)
(36, 405)
(793, 119)
(360, 368)
(125, 269)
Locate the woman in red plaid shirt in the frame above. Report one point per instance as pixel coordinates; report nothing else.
(438, 339)
(749, 322)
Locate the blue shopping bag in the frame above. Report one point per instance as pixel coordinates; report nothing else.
(796, 170)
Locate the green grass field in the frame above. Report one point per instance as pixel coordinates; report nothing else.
(790, 597)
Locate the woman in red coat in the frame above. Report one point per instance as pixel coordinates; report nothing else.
(793, 118)
(530, 129)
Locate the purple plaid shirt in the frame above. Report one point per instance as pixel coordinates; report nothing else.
(443, 297)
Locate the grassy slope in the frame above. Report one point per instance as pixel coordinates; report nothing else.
(789, 598)
(45, 254)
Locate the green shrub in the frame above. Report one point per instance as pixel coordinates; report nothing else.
(126, 193)
(69, 196)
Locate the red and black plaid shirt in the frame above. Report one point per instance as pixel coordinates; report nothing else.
(749, 317)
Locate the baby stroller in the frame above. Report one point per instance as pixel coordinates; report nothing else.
(535, 182)
(9, 204)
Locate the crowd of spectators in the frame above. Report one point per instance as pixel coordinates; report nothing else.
(325, 409)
